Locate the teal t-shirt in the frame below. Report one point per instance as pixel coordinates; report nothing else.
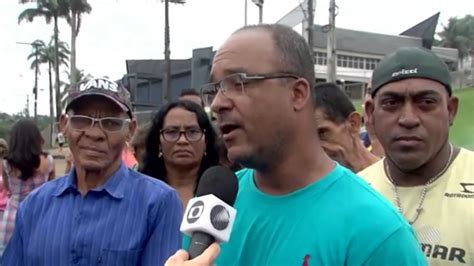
(338, 220)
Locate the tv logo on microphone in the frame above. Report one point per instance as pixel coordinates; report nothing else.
(219, 216)
(195, 212)
(211, 215)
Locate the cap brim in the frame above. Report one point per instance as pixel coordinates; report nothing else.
(121, 105)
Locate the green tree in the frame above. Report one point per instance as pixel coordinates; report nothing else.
(76, 9)
(35, 57)
(46, 54)
(49, 58)
(459, 34)
(81, 76)
(50, 10)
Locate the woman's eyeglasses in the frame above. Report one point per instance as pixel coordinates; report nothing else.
(173, 134)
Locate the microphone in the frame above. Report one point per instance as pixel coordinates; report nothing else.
(210, 215)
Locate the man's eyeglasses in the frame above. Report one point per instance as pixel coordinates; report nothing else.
(192, 134)
(109, 124)
(234, 84)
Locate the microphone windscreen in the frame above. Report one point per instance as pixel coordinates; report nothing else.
(220, 182)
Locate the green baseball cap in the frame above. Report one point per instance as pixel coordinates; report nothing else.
(410, 62)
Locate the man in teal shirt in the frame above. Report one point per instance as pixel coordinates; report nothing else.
(295, 206)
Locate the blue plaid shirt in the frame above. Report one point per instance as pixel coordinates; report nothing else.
(130, 220)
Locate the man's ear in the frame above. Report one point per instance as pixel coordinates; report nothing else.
(369, 110)
(132, 126)
(453, 103)
(301, 94)
(355, 121)
(63, 123)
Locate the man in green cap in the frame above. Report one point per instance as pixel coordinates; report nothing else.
(430, 181)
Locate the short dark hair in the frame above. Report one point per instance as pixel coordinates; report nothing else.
(333, 102)
(25, 148)
(153, 165)
(295, 53)
(189, 91)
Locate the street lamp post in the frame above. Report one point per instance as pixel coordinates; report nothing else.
(259, 3)
(310, 27)
(166, 95)
(331, 43)
(245, 13)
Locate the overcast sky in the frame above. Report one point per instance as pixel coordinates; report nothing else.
(117, 30)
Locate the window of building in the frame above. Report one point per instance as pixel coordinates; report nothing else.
(348, 61)
(320, 58)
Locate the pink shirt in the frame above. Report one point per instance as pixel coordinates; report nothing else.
(3, 195)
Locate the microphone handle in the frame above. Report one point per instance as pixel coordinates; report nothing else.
(199, 242)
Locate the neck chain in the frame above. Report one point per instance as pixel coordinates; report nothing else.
(419, 209)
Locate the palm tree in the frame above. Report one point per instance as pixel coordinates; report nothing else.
(459, 34)
(45, 54)
(80, 76)
(50, 55)
(35, 56)
(76, 8)
(50, 10)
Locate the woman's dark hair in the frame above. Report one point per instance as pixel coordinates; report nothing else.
(25, 148)
(155, 166)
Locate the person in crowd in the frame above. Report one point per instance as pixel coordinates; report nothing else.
(128, 156)
(338, 125)
(61, 140)
(101, 213)
(26, 168)
(427, 178)
(191, 95)
(295, 205)
(138, 143)
(3, 191)
(367, 135)
(180, 146)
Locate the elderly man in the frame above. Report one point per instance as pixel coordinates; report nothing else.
(102, 213)
(295, 205)
(338, 125)
(430, 181)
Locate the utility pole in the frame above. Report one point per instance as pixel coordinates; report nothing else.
(35, 88)
(166, 80)
(27, 109)
(331, 44)
(310, 26)
(166, 93)
(245, 13)
(259, 3)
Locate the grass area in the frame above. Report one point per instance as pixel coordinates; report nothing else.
(462, 132)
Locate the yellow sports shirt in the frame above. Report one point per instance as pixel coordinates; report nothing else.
(445, 227)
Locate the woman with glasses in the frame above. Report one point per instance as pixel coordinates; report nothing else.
(26, 167)
(180, 146)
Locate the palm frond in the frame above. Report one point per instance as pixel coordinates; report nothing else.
(30, 14)
(79, 7)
